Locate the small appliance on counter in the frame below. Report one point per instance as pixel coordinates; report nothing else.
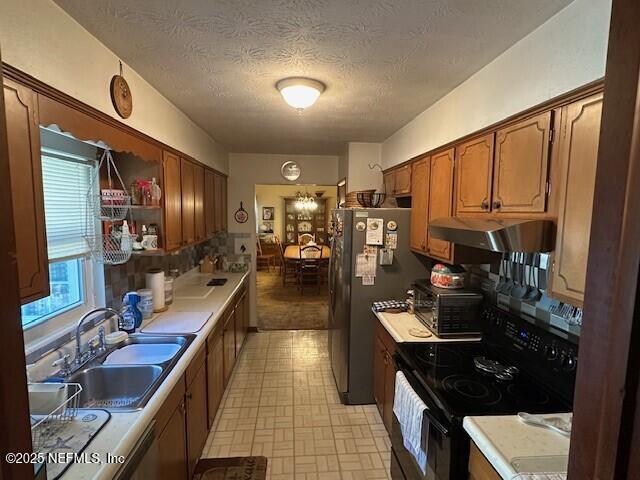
(448, 313)
(448, 276)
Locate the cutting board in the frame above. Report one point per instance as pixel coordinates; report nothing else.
(143, 354)
(178, 322)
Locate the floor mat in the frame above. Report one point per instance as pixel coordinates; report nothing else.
(235, 468)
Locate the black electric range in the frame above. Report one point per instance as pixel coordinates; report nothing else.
(518, 366)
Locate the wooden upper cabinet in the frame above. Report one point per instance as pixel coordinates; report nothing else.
(220, 203)
(419, 204)
(23, 137)
(474, 175)
(578, 155)
(209, 203)
(521, 166)
(188, 202)
(403, 180)
(172, 201)
(397, 182)
(440, 200)
(389, 179)
(198, 190)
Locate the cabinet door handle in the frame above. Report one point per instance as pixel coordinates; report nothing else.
(497, 204)
(484, 205)
(189, 396)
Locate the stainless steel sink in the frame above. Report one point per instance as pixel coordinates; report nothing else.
(117, 387)
(125, 387)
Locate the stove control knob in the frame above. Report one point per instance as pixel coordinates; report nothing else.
(569, 362)
(496, 321)
(551, 352)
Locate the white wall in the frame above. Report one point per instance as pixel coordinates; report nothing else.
(360, 176)
(39, 38)
(567, 51)
(246, 170)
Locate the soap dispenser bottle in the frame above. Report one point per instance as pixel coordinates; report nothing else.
(132, 316)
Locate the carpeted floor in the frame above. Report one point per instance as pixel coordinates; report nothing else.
(284, 308)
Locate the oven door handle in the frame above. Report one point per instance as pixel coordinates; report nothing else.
(428, 412)
(412, 378)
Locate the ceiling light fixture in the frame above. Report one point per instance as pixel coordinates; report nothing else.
(300, 92)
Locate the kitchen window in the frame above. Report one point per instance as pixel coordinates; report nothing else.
(73, 275)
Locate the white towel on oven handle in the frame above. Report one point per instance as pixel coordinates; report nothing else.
(409, 410)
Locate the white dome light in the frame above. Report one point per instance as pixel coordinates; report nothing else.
(300, 92)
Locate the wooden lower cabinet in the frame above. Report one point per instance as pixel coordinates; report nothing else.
(172, 437)
(379, 359)
(384, 374)
(215, 375)
(197, 420)
(172, 448)
(229, 344)
(479, 466)
(184, 421)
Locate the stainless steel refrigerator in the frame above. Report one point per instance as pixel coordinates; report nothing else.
(351, 322)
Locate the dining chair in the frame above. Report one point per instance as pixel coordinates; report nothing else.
(305, 238)
(288, 267)
(267, 259)
(309, 268)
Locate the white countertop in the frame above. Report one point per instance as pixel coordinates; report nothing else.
(120, 434)
(517, 450)
(399, 324)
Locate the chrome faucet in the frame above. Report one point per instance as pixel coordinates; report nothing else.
(79, 355)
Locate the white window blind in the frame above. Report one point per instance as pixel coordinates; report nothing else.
(66, 180)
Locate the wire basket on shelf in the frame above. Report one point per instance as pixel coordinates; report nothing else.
(109, 204)
(109, 249)
(46, 426)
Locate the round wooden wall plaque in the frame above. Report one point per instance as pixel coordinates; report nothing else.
(121, 96)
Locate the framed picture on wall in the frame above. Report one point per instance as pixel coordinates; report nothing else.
(268, 213)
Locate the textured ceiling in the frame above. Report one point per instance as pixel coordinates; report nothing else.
(383, 61)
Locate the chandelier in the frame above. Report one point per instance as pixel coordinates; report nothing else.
(305, 202)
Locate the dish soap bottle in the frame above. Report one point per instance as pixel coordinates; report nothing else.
(131, 315)
(125, 242)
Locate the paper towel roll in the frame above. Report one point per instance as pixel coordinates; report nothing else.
(155, 282)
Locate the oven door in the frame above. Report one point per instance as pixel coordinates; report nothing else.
(444, 441)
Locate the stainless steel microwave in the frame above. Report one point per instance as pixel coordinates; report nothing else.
(448, 313)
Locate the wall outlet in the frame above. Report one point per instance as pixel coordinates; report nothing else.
(241, 246)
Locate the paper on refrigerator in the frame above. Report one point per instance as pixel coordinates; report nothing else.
(365, 265)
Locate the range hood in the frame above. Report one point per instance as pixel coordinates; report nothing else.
(497, 235)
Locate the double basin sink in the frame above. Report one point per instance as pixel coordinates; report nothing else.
(129, 381)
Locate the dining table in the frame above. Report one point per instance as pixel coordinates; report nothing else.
(292, 252)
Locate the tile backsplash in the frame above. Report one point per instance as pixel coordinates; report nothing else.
(120, 279)
(545, 310)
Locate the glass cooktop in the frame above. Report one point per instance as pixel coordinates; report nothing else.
(457, 378)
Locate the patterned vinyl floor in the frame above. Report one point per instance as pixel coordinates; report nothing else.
(282, 403)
